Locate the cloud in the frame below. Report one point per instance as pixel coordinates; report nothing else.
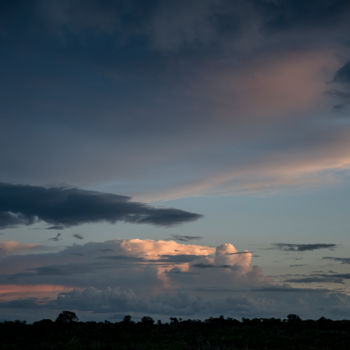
(159, 278)
(24, 204)
(343, 74)
(145, 265)
(57, 237)
(303, 247)
(228, 63)
(13, 247)
(186, 238)
(56, 227)
(334, 258)
(321, 278)
(10, 292)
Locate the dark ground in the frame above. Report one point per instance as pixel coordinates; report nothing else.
(212, 334)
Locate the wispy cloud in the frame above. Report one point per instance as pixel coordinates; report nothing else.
(337, 259)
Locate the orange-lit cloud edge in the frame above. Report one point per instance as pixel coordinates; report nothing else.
(150, 251)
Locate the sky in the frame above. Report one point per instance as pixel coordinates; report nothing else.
(174, 158)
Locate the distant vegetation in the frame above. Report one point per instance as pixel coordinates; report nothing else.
(212, 334)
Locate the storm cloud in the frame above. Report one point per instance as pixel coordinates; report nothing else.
(24, 204)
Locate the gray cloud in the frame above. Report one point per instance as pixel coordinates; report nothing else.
(186, 238)
(101, 304)
(334, 258)
(126, 283)
(323, 279)
(343, 74)
(57, 237)
(56, 227)
(211, 266)
(290, 247)
(24, 204)
(210, 44)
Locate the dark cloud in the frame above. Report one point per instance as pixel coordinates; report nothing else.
(212, 266)
(238, 253)
(287, 14)
(122, 258)
(186, 238)
(180, 258)
(303, 247)
(56, 227)
(323, 279)
(57, 237)
(287, 289)
(334, 258)
(339, 107)
(24, 204)
(343, 74)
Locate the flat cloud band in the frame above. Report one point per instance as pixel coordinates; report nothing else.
(25, 204)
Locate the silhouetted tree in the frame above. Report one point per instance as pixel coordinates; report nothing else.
(67, 317)
(127, 319)
(147, 320)
(292, 318)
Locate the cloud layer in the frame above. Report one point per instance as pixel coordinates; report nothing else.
(303, 247)
(121, 84)
(24, 204)
(160, 278)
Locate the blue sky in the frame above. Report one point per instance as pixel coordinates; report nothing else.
(190, 138)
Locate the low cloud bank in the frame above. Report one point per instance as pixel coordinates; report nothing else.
(106, 280)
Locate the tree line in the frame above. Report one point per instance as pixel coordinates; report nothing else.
(215, 333)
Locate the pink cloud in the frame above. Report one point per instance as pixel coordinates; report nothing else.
(13, 247)
(268, 87)
(10, 292)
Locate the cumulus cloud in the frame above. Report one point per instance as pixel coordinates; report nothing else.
(290, 247)
(142, 265)
(24, 204)
(159, 278)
